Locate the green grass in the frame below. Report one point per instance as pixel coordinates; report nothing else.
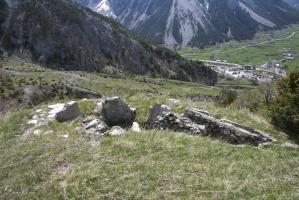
(87, 107)
(150, 165)
(251, 55)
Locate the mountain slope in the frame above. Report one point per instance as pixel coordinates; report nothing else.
(196, 22)
(59, 34)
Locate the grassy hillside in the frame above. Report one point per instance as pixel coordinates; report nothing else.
(138, 89)
(149, 165)
(259, 50)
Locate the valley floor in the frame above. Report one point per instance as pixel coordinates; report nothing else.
(265, 47)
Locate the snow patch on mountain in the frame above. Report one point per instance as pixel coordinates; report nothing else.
(104, 8)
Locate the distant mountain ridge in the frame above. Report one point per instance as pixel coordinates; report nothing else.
(196, 22)
(60, 34)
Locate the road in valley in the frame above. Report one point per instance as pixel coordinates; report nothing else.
(252, 45)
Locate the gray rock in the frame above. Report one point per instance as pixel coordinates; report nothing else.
(101, 127)
(172, 121)
(37, 132)
(173, 101)
(88, 119)
(33, 122)
(156, 112)
(264, 145)
(99, 108)
(118, 113)
(290, 146)
(117, 131)
(70, 111)
(135, 127)
(94, 126)
(229, 131)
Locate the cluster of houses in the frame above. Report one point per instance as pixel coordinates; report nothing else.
(288, 54)
(265, 73)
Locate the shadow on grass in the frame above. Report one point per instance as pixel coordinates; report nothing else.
(294, 137)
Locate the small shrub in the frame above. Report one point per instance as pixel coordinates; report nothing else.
(267, 90)
(227, 97)
(285, 107)
(251, 100)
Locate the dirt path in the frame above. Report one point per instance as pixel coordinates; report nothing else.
(253, 45)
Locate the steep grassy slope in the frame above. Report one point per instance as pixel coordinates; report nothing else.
(59, 34)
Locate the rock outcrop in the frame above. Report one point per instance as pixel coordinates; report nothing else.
(172, 121)
(195, 121)
(117, 112)
(115, 115)
(229, 131)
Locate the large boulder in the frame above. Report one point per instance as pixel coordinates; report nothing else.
(157, 112)
(70, 111)
(117, 112)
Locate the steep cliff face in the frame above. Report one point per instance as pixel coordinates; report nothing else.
(196, 22)
(60, 34)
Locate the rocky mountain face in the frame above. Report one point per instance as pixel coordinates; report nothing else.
(196, 22)
(60, 34)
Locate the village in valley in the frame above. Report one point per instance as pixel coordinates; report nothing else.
(261, 73)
